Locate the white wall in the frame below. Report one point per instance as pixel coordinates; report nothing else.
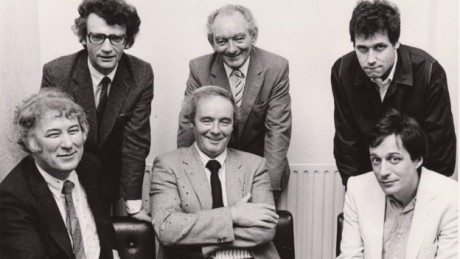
(311, 34)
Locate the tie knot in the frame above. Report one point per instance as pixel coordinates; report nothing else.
(238, 73)
(68, 186)
(213, 166)
(105, 81)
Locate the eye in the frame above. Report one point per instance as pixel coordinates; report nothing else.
(375, 160)
(362, 49)
(220, 41)
(117, 38)
(395, 160)
(239, 39)
(74, 131)
(226, 122)
(380, 47)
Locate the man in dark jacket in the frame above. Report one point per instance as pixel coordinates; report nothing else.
(380, 74)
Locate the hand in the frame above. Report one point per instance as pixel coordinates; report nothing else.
(246, 214)
(142, 215)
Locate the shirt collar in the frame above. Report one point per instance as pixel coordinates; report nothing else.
(244, 68)
(54, 183)
(205, 159)
(98, 76)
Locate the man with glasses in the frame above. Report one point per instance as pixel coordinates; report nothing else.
(116, 90)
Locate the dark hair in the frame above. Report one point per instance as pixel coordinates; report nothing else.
(203, 92)
(371, 17)
(230, 9)
(31, 110)
(403, 126)
(113, 12)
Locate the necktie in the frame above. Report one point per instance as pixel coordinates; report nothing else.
(216, 188)
(73, 226)
(237, 81)
(103, 99)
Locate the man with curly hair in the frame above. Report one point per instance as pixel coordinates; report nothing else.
(50, 202)
(116, 90)
(379, 74)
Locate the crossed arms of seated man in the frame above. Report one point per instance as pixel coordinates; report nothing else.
(182, 213)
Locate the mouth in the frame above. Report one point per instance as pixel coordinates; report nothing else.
(388, 182)
(106, 58)
(67, 155)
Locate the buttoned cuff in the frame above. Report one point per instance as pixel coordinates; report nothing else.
(133, 206)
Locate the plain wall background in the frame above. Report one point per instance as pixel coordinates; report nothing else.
(311, 34)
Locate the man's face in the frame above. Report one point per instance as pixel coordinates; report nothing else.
(104, 57)
(376, 54)
(57, 144)
(394, 168)
(213, 125)
(232, 40)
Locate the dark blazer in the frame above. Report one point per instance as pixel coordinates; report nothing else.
(123, 142)
(264, 127)
(183, 218)
(31, 225)
(419, 89)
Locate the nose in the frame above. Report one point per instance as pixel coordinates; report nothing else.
(215, 128)
(231, 49)
(106, 46)
(384, 170)
(371, 57)
(66, 141)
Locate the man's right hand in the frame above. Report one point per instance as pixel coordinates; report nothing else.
(246, 214)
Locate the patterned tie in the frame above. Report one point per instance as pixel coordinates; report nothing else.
(73, 226)
(216, 188)
(237, 81)
(103, 99)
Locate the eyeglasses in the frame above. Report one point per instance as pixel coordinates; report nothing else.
(99, 38)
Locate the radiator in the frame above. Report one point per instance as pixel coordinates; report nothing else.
(314, 197)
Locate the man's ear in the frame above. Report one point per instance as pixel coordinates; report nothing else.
(418, 162)
(255, 34)
(397, 45)
(32, 144)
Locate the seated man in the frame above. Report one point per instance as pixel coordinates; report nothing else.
(210, 201)
(49, 207)
(401, 210)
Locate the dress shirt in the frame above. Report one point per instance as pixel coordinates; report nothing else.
(84, 214)
(223, 254)
(383, 85)
(132, 206)
(396, 228)
(244, 69)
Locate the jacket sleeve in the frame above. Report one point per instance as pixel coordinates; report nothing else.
(448, 230)
(352, 245)
(278, 124)
(185, 136)
(438, 124)
(347, 139)
(135, 144)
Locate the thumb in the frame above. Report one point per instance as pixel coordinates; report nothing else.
(245, 199)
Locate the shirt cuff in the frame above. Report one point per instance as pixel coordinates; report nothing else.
(133, 206)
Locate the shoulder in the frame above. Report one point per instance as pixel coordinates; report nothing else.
(416, 55)
(245, 157)
(363, 183)
(65, 61)
(346, 61)
(135, 62)
(203, 61)
(173, 157)
(16, 182)
(438, 184)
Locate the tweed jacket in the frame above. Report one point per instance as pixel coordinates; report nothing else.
(264, 127)
(123, 141)
(183, 218)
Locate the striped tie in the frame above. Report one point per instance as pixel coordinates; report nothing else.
(73, 226)
(237, 81)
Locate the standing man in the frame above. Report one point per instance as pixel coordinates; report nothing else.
(210, 201)
(400, 210)
(259, 81)
(116, 91)
(49, 207)
(379, 74)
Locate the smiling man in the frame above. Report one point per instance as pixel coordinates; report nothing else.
(379, 74)
(116, 91)
(208, 200)
(400, 210)
(259, 81)
(50, 203)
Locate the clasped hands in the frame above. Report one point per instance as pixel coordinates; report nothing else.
(261, 215)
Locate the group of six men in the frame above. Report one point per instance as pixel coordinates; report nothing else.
(87, 133)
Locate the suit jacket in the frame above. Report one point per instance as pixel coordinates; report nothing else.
(123, 142)
(183, 218)
(31, 225)
(264, 127)
(433, 233)
(419, 88)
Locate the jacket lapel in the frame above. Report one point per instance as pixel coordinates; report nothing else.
(117, 96)
(376, 217)
(82, 88)
(48, 209)
(234, 178)
(254, 80)
(421, 218)
(218, 74)
(194, 170)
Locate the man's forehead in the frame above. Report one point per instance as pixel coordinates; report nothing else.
(377, 37)
(390, 144)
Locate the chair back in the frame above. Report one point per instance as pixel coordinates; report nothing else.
(284, 237)
(136, 239)
(339, 233)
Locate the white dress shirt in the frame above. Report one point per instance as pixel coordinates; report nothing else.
(383, 85)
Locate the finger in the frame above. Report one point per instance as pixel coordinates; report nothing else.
(245, 199)
(263, 224)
